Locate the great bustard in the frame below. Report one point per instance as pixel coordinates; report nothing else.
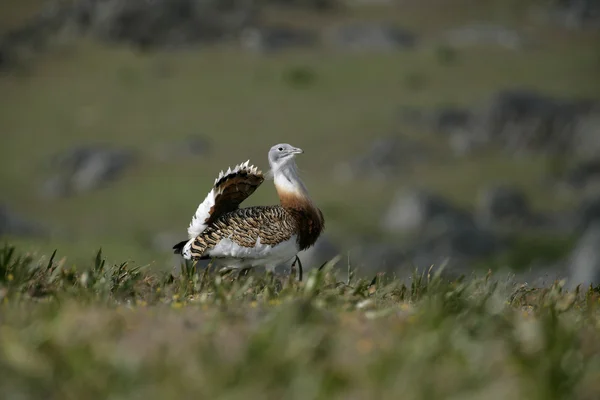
(240, 238)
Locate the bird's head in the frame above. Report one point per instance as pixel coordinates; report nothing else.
(282, 155)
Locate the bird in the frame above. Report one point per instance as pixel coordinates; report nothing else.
(240, 239)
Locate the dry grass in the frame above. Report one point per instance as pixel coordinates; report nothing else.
(101, 331)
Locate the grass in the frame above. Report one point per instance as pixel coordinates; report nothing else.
(116, 331)
(94, 328)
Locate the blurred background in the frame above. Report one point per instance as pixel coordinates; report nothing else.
(464, 132)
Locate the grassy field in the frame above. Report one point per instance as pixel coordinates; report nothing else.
(130, 323)
(83, 92)
(99, 331)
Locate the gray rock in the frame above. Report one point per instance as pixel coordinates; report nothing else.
(526, 121)
(584, 174)
(5, 56)
(560, 222)
(588, 213)
(164, 23)
(420, 210)
(361, 37)
(464, 241)
(454, 250)
(585, 141)
(142, 23)
(268, 39)
(55, 187)
(502, 204)
(453, 122)
(483, 34)
(408, 114)
(443, 120)
(456, 246)
(316, 5)
(32, 36)
(86, 168)
(383, 159)
(370, 258)
(14, 224)
(462, 143)
(584, 263)
(359, 3)
(515, 115)
(576, 14)
(448, 120)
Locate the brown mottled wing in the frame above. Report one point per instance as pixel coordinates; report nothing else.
(273, 224)
(232, 189)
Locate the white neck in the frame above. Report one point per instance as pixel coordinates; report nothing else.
(287, 180)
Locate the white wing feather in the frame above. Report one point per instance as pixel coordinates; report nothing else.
(198, 225)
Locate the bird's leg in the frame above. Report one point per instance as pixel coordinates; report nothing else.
(270, 273)
(243, 271)
(270, 269)
(293, 268)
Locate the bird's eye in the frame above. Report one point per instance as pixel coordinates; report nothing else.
(280, 149)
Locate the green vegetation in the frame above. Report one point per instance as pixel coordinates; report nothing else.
(101, 331)
(79, 327)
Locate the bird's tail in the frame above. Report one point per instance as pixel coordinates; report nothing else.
(178, 248)
(229, 190)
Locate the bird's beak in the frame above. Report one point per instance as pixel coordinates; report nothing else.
(296, 150)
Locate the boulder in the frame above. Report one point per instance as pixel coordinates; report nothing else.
(585, 142)
(588, 213)
(502, 204)
(384, 158)
(368, 258)
(268, 39)
(518, 121)
(576, 14)
(584, 263)
(449, 120)
(164, 23)
(13, 224)
(369, 36)
(420, 210)
(454, 123)
(584, 174)
(527, 121)
(86, 168)
(437, 233)
(484, 34)
(454, 249)
(317, 5)
(457, 246)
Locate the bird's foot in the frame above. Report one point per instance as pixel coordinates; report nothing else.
(243, 272)
(293, 268)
